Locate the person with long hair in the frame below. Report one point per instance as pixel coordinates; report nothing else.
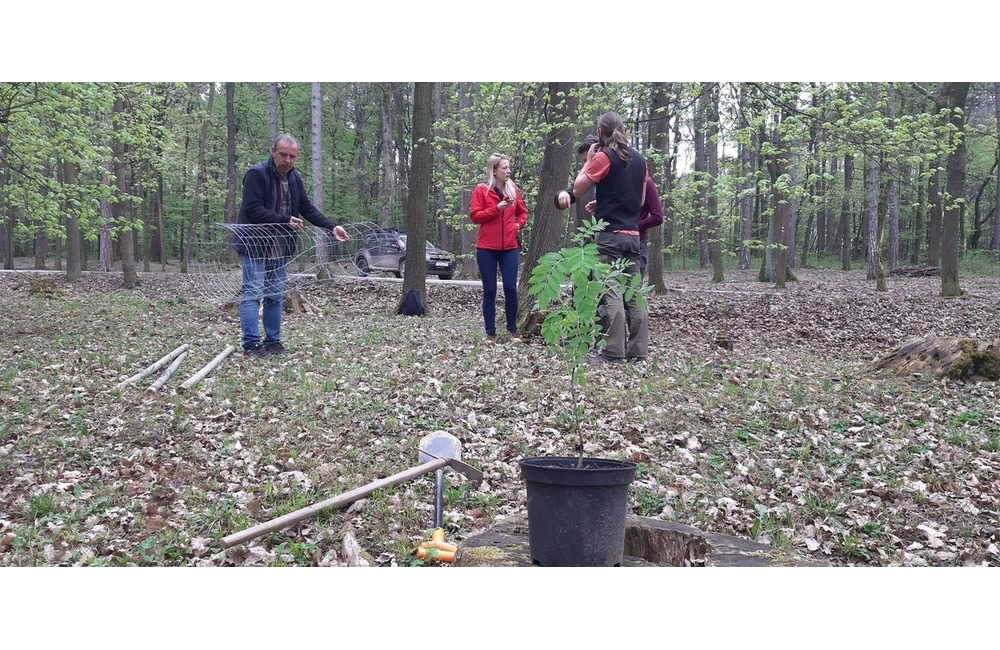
(499, 211)
(618, 173)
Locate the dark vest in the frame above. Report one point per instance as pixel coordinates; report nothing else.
(619, 194)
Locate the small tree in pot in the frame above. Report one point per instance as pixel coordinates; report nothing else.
(576, 510)
(572, 324)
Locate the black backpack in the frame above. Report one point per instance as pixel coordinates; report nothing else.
(412, 305)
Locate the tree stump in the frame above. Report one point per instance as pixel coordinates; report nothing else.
(296, 303)
(945, 356)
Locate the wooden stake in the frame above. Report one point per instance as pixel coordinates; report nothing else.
(198, 376)
(158, 384)
(153, 368)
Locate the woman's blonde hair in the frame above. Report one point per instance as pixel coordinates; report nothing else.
(509, 189)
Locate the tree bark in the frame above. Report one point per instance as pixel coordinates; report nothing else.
(388, 164)
(272, 110)
(415, 219)
(956, 94)
(934, 222)
(700, 167)
(845, 214)
(547, 222)
(659, 126)
(230, 214)
(199, 178)
(995, 239)
(748, 167)
(892, 188)
(872, 214)
(465, 195)
(73, 252)
(712, 150)
(320, 238)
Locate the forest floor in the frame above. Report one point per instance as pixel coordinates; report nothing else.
(790, 438)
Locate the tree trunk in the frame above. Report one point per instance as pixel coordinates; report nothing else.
(123, 223)
(712, 149)
(199, 179)
(272, 110)
(442, 201)
(73, 252)
(956, 94)
(320, 237)
(230, 214)
(388, 164)
(918, 217)
(934, 223)
(845, 214)
(700, 167)
(415, 219)
(893, 189)
(402, 151)
(659, 126)
(748, 168)
(793, 213)
(995, 239)
(161, 229)
(872, 214)
(547, 221)
(465, 194)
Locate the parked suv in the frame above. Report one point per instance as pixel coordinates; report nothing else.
(384, 249)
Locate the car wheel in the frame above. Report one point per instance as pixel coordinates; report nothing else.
(363, 268)
(401, 271)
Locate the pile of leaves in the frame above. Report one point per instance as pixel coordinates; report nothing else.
(790, 438)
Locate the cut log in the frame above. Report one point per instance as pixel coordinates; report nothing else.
(158, 384)
(198, 376)
(153, 368)
(944, 356)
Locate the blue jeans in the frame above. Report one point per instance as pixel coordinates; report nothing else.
(263, 279)
(508, 261)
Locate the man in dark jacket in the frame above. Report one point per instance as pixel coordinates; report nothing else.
(274, 203)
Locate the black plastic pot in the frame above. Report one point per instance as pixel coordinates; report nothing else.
(576, 517)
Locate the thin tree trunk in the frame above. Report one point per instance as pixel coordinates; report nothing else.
(659, 126)
(700, 166)
(934, 222)
(320, 237)
(956, 94)
(714, 234)
(892, 189)
(465, 194)
(791, 226)
(388, 164)
(995, 239)
(272, 109)
(845, 214)
(918, 217)
(199, 179)
(872, 219)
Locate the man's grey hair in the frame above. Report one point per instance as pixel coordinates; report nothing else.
(286, 138)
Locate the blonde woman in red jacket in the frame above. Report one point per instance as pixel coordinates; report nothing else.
(499, 210)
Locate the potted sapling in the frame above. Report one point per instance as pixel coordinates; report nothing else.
(577, 505)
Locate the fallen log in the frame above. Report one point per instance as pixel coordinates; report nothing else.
(158, 384)
(944, 356)
(153, 368)
(916, 271)
(198, 376)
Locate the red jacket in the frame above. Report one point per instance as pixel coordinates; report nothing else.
(497, 231)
